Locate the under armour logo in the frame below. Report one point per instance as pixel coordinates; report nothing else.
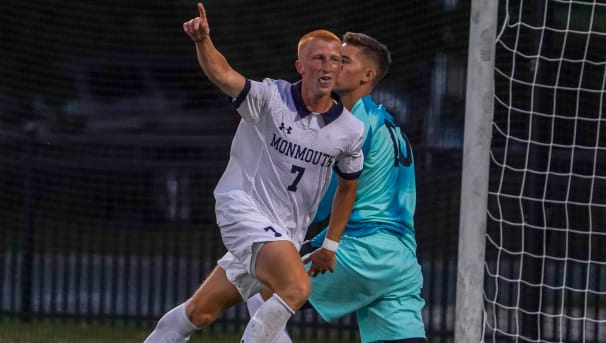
(282, 127)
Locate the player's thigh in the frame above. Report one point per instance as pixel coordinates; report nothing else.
(392, 319)
(397, 314)
(367, 267)
(215, 295)
(343, 291)
(279, 266)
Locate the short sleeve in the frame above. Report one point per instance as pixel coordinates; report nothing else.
(252, 102)
(350, 164)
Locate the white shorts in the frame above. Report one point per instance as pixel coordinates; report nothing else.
(244, 230)
(240, 237)
(238, 275)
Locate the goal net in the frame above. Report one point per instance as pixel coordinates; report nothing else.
(545, 267)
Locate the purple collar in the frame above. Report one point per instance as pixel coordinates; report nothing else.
(333, 112)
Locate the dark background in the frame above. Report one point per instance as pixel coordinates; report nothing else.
(112, 139)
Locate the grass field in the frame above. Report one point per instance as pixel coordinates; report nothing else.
(12, 331)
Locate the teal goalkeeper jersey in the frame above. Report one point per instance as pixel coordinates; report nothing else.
(386, 195)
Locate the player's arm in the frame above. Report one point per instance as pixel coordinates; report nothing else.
(342, 204)
(325, 205)
(212, 62)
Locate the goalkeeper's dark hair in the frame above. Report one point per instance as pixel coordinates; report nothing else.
(375, 50)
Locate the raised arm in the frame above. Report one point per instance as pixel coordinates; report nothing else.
(213, 63)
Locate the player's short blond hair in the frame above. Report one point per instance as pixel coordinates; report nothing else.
(321, 34)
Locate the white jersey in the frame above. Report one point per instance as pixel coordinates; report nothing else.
(282, 157)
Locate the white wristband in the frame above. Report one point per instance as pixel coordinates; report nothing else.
(329, 244)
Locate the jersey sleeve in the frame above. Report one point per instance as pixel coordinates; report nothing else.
(254, 98)
(350, 164)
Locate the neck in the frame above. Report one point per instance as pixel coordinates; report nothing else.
(318, 104)
(349, 99)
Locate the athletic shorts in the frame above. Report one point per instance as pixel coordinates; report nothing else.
(244, 231)
(239, 276)
(379, 278)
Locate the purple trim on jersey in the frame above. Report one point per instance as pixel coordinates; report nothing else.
(238, 101)
(333, 113)
(347, 176)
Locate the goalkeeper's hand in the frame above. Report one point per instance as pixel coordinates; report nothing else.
(321, 260)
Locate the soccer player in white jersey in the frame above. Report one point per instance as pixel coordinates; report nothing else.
(377, 274)
(287, 144)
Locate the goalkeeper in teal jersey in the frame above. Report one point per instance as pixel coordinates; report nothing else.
(377, 274)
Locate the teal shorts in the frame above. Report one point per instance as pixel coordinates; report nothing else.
(379, 278)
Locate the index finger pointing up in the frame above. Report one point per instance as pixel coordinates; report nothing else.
(201, 10)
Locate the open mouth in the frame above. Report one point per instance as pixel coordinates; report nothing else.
(325, 81)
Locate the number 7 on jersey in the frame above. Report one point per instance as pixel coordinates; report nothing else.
(299, 171)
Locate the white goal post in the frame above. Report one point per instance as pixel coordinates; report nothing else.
(474, 183)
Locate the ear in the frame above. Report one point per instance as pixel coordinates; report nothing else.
(299, 66)
(370, 75)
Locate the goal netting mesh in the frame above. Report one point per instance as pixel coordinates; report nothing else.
(545, 271)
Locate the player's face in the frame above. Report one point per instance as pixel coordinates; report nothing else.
(319, 66)
(354, 70)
